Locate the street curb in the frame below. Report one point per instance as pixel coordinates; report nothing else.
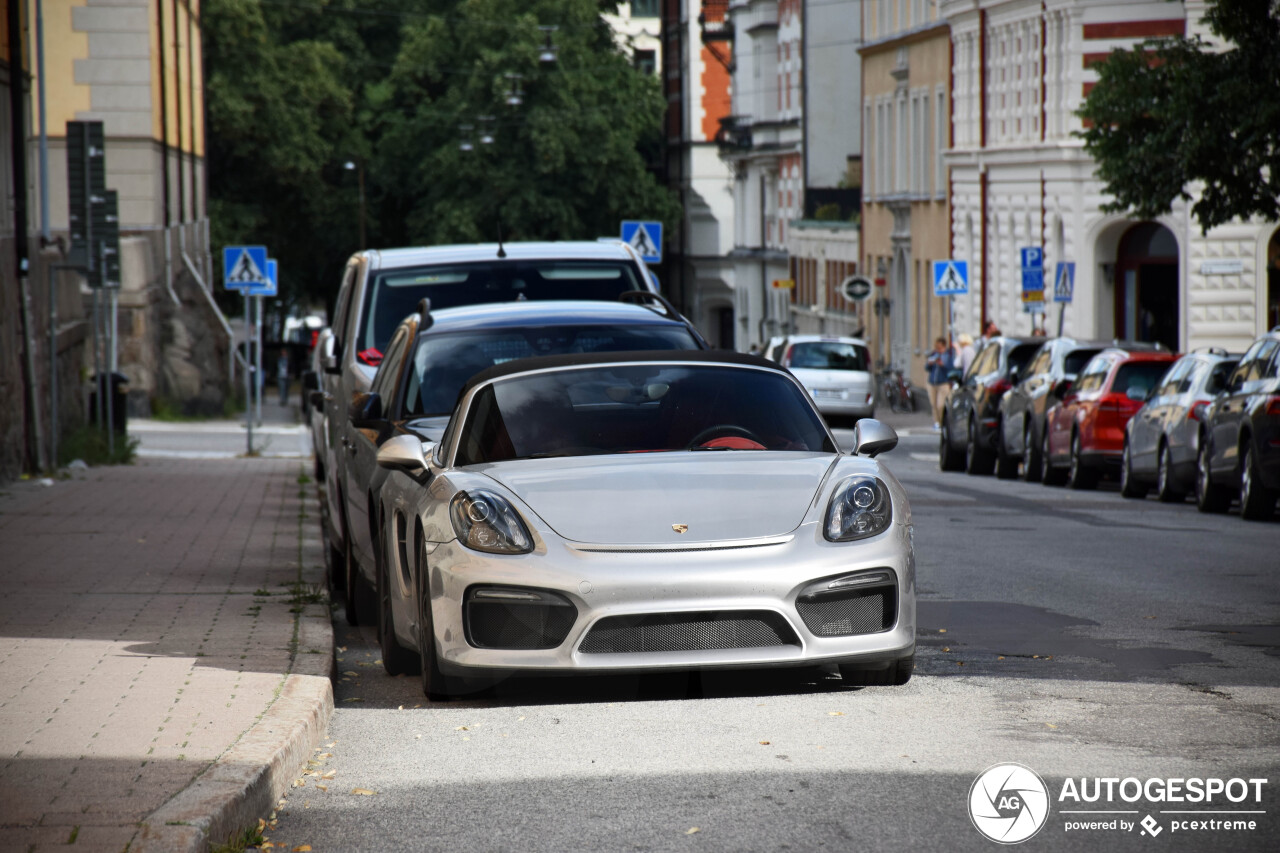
(248, 780)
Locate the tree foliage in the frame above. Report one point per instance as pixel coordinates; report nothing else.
(297, 90)
(1183, 119)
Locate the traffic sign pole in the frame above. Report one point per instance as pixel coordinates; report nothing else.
(248, 378)
(257, 386)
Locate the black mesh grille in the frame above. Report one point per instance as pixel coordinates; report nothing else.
(844, 614)
(507, 625)
(688, 632)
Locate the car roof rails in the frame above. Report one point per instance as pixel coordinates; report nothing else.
(1147, 346)
(1212, 351)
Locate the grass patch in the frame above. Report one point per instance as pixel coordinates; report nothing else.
(89, 443)
(239, 842)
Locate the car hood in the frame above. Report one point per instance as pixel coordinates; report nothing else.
(636, 499)
(815, 378)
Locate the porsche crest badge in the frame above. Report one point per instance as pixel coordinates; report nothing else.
(680, 528)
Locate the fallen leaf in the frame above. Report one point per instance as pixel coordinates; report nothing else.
(946, 648)
(322, 787)
(520, 719)
(1051, 725)
(302, 848)
(349, 672)
(325, 755)
(364, 792)
(942, 630)
(1001, 657)
(418, 737)
(330, 745)
(401, 708)
(353, 699)
(466, 738)
(266, 845)
(462, 729)
(764, 743)
(691, 830)
(1035, 657)
(342, 648)
(835, 713)
(959, 663)
(329, 775)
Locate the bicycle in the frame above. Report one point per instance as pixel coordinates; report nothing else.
(896, 390)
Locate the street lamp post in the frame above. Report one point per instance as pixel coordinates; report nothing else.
(358, 166)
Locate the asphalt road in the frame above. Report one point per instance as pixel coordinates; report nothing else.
(1077, 633)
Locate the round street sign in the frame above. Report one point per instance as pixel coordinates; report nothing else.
(856, 288)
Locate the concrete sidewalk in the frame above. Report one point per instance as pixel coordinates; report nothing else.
(165, 650)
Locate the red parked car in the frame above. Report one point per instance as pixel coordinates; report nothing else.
(1085, 435)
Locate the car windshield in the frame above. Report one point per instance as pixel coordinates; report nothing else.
(1139, 374)
(639, 408)
(828, 355)
(392, 294)
(442, 364)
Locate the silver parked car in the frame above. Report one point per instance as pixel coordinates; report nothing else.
(834, 370)
(1162, 441)
(380, 287)
(646, 511)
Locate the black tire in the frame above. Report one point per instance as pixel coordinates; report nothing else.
(396, 659)
(1051, 474)
(895, 674)
(978, 461)
(1032, 459)
(1257, 503)
(1166, 492)
(1130, 487)
(949, 459)
(1006, 464)
(436, 685)
(1210, 497)
(335, 561)
(1079, 475)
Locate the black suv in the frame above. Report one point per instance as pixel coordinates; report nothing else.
(971, 416)
(1022, 411)
(1240, 449)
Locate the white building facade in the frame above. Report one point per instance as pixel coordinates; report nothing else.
(1020, 178)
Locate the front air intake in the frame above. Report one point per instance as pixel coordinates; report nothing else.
(516, 618)
(688, 632)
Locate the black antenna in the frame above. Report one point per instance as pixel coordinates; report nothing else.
(502, 253)
(424, 314)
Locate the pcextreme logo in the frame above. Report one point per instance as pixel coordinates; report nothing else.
(1008, 803)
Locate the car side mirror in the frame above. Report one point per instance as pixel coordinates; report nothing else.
(365, 410)
(316, 398)
(406, 453)
(955, 375)
(1062, 387)
(871, 437)
(329, 357)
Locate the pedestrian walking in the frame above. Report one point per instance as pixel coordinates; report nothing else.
(282, 376)
(965, 352)
(939, 363)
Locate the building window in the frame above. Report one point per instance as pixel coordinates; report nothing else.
(940, 145)
(646, 62)
(644, 8)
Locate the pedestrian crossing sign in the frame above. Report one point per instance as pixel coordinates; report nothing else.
(272, 287)
(1064, 281)
(645, 238)
(244, 266)
(950, 278)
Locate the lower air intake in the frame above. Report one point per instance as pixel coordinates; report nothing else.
(513, 625)
(688, 632)
(845, 614)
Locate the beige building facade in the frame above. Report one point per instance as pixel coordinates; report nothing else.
(905, 214)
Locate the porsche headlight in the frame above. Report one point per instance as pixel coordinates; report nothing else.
(488, 522)
(859, 508)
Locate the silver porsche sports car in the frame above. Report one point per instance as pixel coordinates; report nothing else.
(642, 511)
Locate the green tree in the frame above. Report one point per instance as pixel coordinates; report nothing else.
(567, 162)
(1180, 119)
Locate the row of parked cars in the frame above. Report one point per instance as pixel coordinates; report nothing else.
(1067, 411)
(531, 462)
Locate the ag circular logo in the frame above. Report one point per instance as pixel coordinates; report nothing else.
(1008, 803)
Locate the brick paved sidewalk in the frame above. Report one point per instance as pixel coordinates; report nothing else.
(163, 657)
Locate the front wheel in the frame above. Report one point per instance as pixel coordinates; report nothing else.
(1032, 459)
(1006, 463)
(1256, 501)
(1129, 487)
(1079, 475)
(977, 459)
(1053, 476)
(436, 685)
(1165, 489)
(949, 459)
(1210, 497)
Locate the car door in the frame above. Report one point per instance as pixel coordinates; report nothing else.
(336, 410)
(961, 403)
(362, 451)
(1017, 405)
(1228, 411)
(1062, 418)
(1148, 425)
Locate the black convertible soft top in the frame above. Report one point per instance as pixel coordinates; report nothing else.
(543, 362)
